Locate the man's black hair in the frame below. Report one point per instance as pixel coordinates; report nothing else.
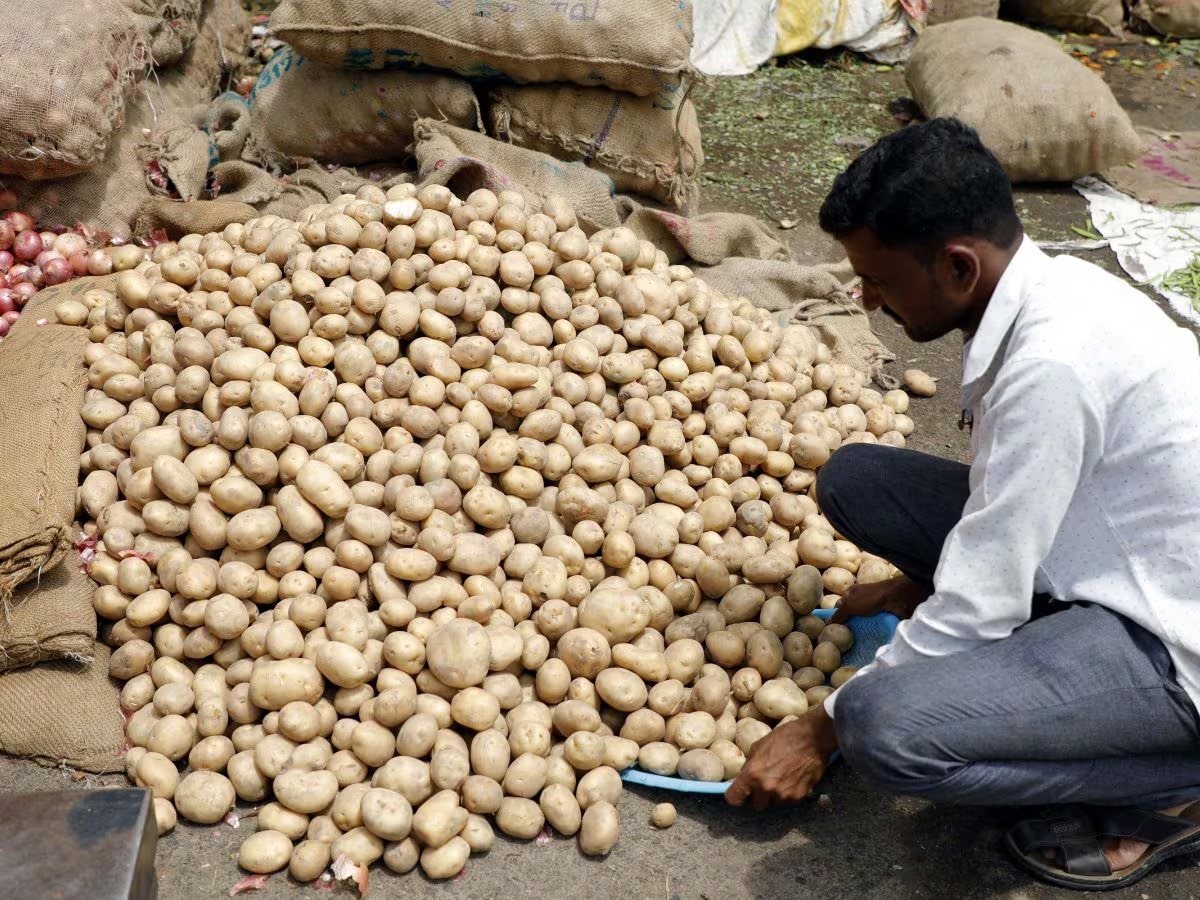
(922, 186)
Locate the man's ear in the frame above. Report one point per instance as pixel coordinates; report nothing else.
(961, 266)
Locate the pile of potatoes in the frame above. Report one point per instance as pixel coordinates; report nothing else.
(421, 516)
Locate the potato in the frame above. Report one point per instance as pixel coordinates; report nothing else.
(520, 818)
(602, 783)
(358, 845)
(306, 792)
(780, 697)
(919, 384)
(438, 819)
(445, 860)
(459, 653)
(164, 816)
(204, 797)
(309, 860)
(561, 809)
(600, 829)
(701, 765)
(659, 758)
(826, 657)
(276, 817)
(663, 815)
(265, 852)
(621, 689)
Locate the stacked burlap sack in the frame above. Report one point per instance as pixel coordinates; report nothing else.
(96, 99)
(1175, 18)
(57, 703)
(599, 84)
(1044, 115)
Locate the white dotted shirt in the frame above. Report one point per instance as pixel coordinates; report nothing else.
(1085, 477)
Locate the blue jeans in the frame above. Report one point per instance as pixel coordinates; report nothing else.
(1078, 706)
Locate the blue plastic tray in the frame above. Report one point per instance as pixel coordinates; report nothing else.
(870, 633)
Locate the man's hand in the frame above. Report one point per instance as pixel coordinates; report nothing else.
(786, 765)
(900, 596)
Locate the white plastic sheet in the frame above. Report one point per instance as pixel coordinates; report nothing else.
(1149, 241)
(733, 37)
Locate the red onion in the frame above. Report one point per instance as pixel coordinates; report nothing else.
(24, 292)
(7, 302)
(79, 263)
(8, 234)
(99, 262)
(48, 239)
(20, 221)
(27, 245)
(57, 271)
(16, 272)
(4, 326)
(6, 260)
(69, 244)
(35, 275)
(4, 283)
(12, 316)
(45, 256)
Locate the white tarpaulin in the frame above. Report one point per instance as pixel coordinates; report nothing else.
(884, 30)
(1149, 241)
(733, 37)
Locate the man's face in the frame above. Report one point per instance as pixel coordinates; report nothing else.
(923, 299)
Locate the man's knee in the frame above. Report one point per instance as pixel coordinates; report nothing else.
(846, 478)
(881, 737)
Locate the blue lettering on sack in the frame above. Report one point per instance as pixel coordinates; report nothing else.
(280, 66)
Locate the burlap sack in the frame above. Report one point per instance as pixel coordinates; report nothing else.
(171, 24)
(64, 71)
(1083, 16)
(50, 618)
(645, 146)
(641, 47)
(300, 109)
(1177, 18)
(161, 149)
(64, 713)
(179, 217)
(952, 10)
(1044, 115)
(706, 239)
(464, 161)
(808, 295)
(41, 436)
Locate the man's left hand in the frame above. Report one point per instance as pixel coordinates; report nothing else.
(786, 765)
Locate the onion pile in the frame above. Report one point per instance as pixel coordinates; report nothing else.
(31, 259)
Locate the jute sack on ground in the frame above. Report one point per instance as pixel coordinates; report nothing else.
(64, 71)
(180, 217)
(300, 109)
(1083, 16)
(159, 150)
(464, 161)
(171, 24)
(50, 617)
(1044, 115)
(42, 370)
(64, 713)
(952, 10)
(1178, 18)
(645, 145)
(641, 47)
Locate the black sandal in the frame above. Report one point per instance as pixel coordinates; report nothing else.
(1078, 833)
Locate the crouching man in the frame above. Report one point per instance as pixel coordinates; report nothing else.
(1049, 655)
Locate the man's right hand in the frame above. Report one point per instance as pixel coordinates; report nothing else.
(899, 596)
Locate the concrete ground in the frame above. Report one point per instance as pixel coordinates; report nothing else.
(774, 142)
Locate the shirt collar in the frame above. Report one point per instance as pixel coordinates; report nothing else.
(1023, 271)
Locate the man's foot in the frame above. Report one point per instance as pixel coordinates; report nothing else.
(1103, 848)
(1120, 852)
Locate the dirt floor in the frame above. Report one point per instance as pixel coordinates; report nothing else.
(774, 142)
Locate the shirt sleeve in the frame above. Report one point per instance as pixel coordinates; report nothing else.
(1040, 436)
